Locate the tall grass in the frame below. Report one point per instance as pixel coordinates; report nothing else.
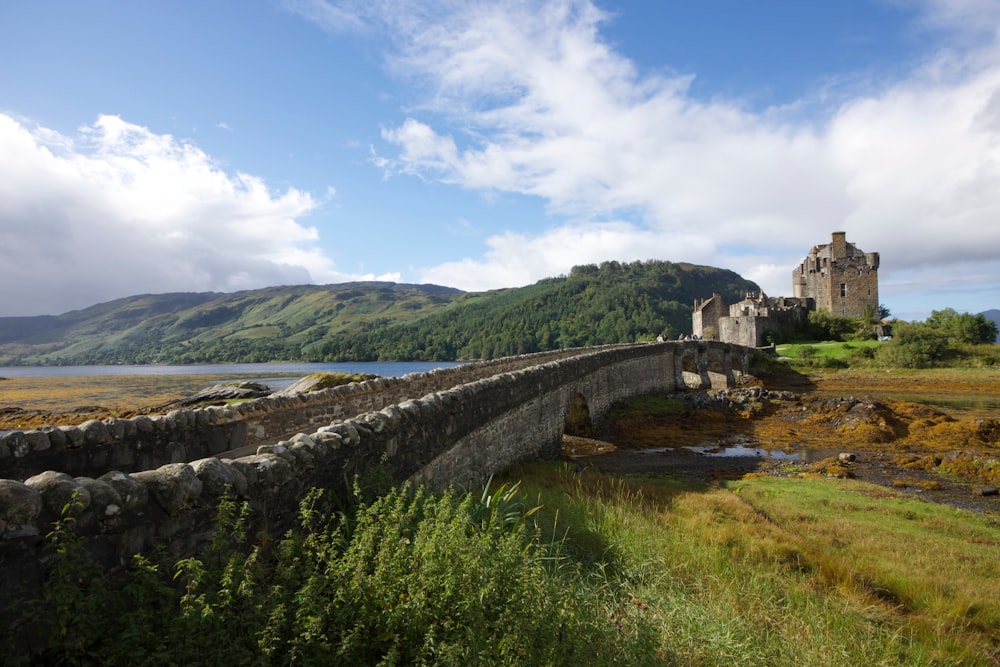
(787, 572)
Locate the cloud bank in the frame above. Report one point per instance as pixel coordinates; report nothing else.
(118, 210)
(527, 98)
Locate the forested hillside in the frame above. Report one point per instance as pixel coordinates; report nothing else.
(594, 305)
(610, 303)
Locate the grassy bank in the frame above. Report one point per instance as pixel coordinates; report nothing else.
(776, 571)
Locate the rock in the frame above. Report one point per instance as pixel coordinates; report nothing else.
(16, 443)
(57, 437)
(988, 491)
(104, 500)
(302, 385)
(229, 391)
(38, 440)
(95, 432)
(132, 492)
(271, 470)
(20, 506)
(218, 478)
(174, 486)
(74, 436)
(846, 457)
(63, 495)
(277, 449)
(320, 381)
(328, 438)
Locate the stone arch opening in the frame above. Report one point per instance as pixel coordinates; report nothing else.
(691, 372)
(719, 367)
(578, 420)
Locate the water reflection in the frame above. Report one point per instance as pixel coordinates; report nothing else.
(746, 450)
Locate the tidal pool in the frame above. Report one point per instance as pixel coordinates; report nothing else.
(805, 455)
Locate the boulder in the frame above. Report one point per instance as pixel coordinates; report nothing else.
(228, 391)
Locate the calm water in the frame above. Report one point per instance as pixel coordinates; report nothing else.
(276, 375)
(746, 450)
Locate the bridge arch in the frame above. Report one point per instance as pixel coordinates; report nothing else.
(577, 420)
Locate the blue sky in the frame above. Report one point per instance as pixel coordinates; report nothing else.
(232, 144)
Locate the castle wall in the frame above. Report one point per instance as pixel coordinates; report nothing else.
(842, 279)
(706, 315)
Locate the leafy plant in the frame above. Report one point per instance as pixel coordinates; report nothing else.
(499, 511)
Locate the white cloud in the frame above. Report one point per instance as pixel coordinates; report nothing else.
(520, 259)
(525, 97)
(120, 210)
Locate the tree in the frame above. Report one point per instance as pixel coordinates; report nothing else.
(963, 328)
(823, 325)
(866, 323)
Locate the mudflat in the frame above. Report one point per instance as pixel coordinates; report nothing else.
(930, 434)
(30, 402)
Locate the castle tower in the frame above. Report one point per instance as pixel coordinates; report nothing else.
(840, 278)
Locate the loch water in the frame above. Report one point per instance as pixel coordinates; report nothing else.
(275, 375)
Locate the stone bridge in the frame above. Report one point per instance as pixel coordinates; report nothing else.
(133, 483)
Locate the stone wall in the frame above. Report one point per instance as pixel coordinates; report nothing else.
(752, 330)
(145, 443)
(706, 315)
(461, 434)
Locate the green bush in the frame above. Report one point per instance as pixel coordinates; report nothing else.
(914, 346)
(806, 352)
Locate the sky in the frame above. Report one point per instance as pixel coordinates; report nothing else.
(221, 145)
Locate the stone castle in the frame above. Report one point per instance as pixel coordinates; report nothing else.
(836, 277)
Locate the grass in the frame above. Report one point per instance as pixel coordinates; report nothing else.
(776, 571)
(558, 568)
(837, 350)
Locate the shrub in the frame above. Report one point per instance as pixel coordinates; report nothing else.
(914, 346)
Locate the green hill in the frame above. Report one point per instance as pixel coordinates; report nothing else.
(593, 305)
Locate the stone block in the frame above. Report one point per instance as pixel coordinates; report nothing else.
(62, 495)
(20, 506)
(132, 492)
(174, 486)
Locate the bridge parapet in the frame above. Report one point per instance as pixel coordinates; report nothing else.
(459, 434)
(148, 442)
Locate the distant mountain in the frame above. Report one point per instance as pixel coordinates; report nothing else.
(992, 315)
(610, 303)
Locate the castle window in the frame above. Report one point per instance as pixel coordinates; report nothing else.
(843, 289)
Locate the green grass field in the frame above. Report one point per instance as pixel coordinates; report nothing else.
(824, 350)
